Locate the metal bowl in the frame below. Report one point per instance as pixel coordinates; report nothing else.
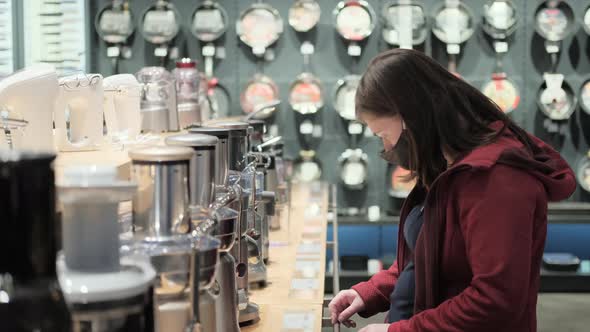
(206, 255)
(227, 227)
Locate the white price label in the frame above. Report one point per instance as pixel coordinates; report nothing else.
(453, 48)
(306, 127)
(309, 248)
(354, 50)
(298, 321)
(161, 51)
(355, 128)
(307, 48)
(304, 284)
(208, 50)
(258, 50)
(113, 51)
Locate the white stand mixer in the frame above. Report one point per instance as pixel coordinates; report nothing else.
(28, 95)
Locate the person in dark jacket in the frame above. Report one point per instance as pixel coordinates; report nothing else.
(471, 262)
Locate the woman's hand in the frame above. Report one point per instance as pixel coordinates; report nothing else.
(344, 305)
(375, 328)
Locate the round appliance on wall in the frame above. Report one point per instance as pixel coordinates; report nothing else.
(453, 25)
(586, 19)
(354, 19)
(306, 94)
(259, 27)
(503, 92)
(307, 167)
(209, 21)
(500, 18)
(113, 24)
(259, 90)
(392, 16)
(353, 169)
(583, 173)
(554, 20)
(160, 23)
(557, 104)
(344, 96)
(585, 97)
(304, 15)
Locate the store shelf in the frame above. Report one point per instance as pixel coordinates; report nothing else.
(551, 282)
(558, 213)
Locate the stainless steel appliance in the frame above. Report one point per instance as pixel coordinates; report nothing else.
(238, 148)
(161, 228)
(226, 230)
(202, 168)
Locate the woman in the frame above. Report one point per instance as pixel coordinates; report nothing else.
(470, 259)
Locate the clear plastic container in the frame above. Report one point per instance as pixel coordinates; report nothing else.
(191, 87)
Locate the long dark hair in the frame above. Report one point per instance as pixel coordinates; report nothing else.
(440, 110)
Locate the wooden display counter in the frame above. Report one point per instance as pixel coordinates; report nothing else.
(294, 296)
(293, 299)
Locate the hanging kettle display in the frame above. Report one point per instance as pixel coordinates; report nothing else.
(500, 22)
(160, 24)
(405, 23)
(453, 24)
(115, 26)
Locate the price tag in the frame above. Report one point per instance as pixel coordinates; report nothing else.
(208, 51)
(258, 50)
(113, 51)
(309, 248)
(307, 48)
(453, 48)
(355, 128)
(306, 127)
(304, 264)
(161, 51)
(298, 321)
(354, 50)
(304, 284)
(551, 47)
(374, 213)
(501, 46)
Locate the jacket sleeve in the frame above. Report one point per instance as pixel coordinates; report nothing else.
(497, 218)
(375, 292)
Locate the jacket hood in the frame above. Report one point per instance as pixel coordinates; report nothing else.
(543, 162)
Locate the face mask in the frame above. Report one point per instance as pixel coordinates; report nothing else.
(400, 153)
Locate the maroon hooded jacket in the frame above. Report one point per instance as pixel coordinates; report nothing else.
(478, 254)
